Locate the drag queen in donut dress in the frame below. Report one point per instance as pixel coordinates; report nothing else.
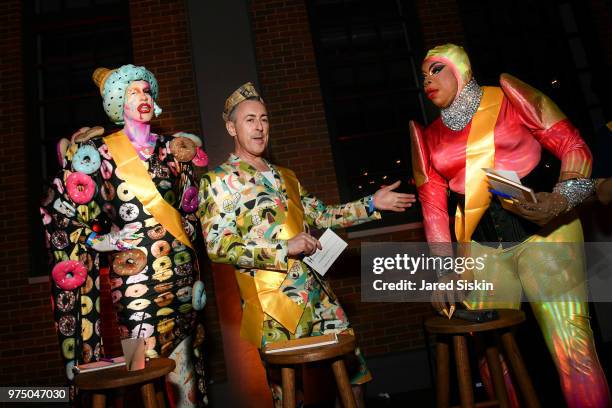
(128, 200)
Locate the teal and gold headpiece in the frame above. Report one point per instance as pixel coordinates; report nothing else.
(114, 82)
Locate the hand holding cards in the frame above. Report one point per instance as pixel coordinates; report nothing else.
(322, 259)
(507, 185)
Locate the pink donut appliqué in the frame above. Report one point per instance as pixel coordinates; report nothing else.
(69, 275)
(106, 169)
(103, 150)
(201, 158)
(81, 188)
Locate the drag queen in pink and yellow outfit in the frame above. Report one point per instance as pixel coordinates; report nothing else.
(506, 128)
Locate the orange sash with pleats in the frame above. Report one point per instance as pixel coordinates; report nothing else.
(138, 180)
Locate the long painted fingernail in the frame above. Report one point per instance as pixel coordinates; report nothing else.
(445, 312)
(467, 305)
(452, 310)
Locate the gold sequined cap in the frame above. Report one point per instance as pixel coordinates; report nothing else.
(246, 91)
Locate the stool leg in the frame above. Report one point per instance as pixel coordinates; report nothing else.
(497, 375)
(288, 377)
(520, 372)
(344, 386)
(159, 393)
(466, 394)
(148, 395)
(118, 397)
(442, 374)
(99, 400)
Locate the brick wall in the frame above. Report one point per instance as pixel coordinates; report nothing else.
(161, 42)
(290, 86)
(440, 22)
(601, 11)
(28, 346)
(381, 328)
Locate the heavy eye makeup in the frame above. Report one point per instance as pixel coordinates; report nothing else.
(435, 69)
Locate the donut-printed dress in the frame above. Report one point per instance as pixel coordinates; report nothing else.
(151, 284)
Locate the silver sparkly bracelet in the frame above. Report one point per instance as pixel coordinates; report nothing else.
(575, 191)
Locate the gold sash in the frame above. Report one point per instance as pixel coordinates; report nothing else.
(480, 153)
(139, 182)
(261, 294)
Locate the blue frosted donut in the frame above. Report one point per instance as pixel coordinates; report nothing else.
(86, 159)
(198, 296)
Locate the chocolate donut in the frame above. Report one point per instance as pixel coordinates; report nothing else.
(130, 262)
(183, 149)
(107, 190)
(59, 239)
(65, 301)
(66, 325)
(184, 269)
(186, 281)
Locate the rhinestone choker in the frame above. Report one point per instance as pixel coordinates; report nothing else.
(465, 105)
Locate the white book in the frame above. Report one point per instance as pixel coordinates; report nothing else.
(99, 365)
(322, 259)
(300, 344)
(507, 182)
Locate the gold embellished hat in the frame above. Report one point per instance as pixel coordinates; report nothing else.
(243, 93)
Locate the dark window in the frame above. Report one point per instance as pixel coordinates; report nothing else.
(64, 41)
(545, 43)
(369, 71)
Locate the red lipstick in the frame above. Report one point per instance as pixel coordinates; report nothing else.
(144, 108)
(431, 93)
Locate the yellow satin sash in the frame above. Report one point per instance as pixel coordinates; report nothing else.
(139, 182)
(261, 293)
(480, 153)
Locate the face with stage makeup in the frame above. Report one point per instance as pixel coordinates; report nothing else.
(138, 106)
(439, 82)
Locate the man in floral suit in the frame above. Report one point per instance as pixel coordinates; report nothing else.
(256, 216)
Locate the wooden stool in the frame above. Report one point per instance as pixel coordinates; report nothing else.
(285, 359)
(118, 377)
(458, 329)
